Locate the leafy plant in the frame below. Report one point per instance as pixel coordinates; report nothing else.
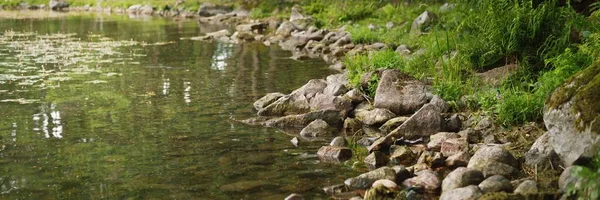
(587, 181)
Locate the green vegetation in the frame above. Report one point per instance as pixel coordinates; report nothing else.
(586, 184)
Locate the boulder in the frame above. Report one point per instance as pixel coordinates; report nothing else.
(58, 4)
(453, 123)
(494, 160)
(472, 136)
(376, 160)
(311, 88)
(317, 128)
(382, 189)
(392, 124)
(461, 177)
(541, 155)
(571, 116)
(423, 22)
(209, 9)
(334, 154)
(286, 105)
(352, 125)
(146, 10)
(323, 102)
(426, 179)
(375, 116)
(267, 100)
(400, 93)
(435, 140)
(527, 187)
(335, 89)
(365, 180)
(496, 183)
(454, 146)
(423, 123)
(439, 103)
(356, 96)
(470, 192)
(332, 117)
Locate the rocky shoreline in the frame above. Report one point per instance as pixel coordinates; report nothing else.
(417, 148)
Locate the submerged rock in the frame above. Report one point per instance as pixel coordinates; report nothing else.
(571, 116)
(332, 117)
(267, 100)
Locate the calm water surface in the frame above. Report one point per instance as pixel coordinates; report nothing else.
(106, 107)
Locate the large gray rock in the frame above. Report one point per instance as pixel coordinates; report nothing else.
(470, 192)
(423, 22)
(541, 155)
(571, 116)
(332, 117)
(494, 160)
(365, 180)
(323, 102)
(339, 141)
(496, 183)
(58, 4)
(423, 123)
(427, 179)
(317, 128)
(392, 124)
(400, 93)
(286, 105)
(461, 177)
(375, 116)
(146, 10)
(209, 9)
(267, 100)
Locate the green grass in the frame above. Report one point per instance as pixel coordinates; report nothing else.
(587, 181)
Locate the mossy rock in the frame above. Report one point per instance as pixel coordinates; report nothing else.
(572, 116)
(583, 89)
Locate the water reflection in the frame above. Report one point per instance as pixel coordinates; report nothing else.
(222, 52)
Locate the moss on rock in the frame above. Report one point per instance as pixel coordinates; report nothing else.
(583, 89)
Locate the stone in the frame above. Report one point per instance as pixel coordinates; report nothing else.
(423, 22)
(334, 154)
(336, 189)
(332, 117)
(327, 102)
(209, 9)
(493, 160)
(485, 126)
(389, 25)
(471, 135)
(458, 160)
(375, 116)
(294, 141)
(351, 126)
(311, 88)
(286, 105)
(454, 146)
(295, 14)
(401, 173)
(365, 180)
(252, 27)
(294, 196)
(527, 187)
(489, 139)
(146, 10)
(470, 192)
(400, 93)
(58, 4)
(376, 159)
(496, 183)
(439, 103)
(423, 123)
(317, 128)
(403, 50)
(267, 100)
(402, 155)
(453, 123)
(436, 140)
(372, 27)
(541, 155)
(426, 179)
(339, 141)
(385, 183)
(392, 124)
(566, 178)
(335, 89)
(356, 96)
(571, 116)
(134, 9)
(461, 177)
(382, 189)
(285, 29)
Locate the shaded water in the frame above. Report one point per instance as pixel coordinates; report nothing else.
(107, 107)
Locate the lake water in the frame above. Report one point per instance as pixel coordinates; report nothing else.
(107, 107)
